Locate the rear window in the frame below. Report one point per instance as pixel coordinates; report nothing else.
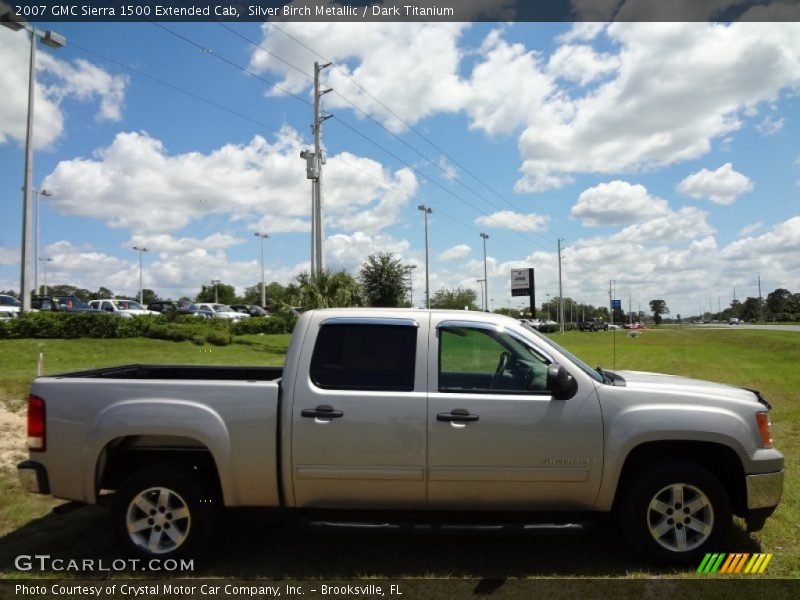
(365, 357)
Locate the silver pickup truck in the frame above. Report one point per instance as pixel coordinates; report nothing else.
(440, 416)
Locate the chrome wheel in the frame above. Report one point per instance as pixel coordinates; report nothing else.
(158, 520)
(680, 517)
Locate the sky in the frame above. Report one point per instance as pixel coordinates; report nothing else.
(664, 155)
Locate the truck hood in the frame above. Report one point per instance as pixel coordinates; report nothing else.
(684, 386)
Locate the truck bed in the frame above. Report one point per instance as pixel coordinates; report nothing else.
(191, 372)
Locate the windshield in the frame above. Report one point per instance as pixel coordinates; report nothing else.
(583, 366)
(72, 302)
(223, 308)
(9, 301)
(127, 305)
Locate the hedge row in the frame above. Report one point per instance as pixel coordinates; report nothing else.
(220, 332)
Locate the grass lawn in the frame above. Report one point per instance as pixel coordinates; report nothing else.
(766, 360)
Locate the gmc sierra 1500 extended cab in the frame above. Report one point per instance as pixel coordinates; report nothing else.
(409, 414)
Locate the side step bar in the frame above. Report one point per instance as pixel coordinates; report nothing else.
(506, 528)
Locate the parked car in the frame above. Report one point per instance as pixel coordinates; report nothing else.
(201, 310)
(69, 303)
(123, 308)
(593, 325)
(9, 306)
(221, 311)
(250, 309)
(450, 417)
(633, 326)
(733, 321)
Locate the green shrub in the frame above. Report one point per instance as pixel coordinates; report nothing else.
(219, 338)
(278, 323)
(65, 325)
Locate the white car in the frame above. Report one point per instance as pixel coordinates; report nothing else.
(9, 306)
(123, 308)
(221, 311)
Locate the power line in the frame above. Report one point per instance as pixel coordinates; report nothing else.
(352, 128)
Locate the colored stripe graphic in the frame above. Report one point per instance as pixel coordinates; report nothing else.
(739, 562)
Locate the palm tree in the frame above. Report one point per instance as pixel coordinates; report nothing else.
(328, 290)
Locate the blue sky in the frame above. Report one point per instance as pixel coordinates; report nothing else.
(665, 155)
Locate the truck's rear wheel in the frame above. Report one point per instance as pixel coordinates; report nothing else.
(675, 512)
(163, 512)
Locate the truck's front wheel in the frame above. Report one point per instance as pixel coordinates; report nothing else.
(163, 512)
(675, 512)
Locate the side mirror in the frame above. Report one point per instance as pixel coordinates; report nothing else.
(560, 382)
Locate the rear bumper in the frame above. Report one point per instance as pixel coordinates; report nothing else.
(33, 477)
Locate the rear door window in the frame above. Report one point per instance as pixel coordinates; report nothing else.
(364, 357)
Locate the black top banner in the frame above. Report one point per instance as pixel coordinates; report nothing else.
(400, 10)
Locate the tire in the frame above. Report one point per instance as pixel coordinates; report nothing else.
(675, 512)
(164, 511)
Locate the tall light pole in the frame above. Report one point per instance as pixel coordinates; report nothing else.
(480, 287)
(426, 210)
(141, 250)
(408, 269)
(560, 291)
(485, 237)
(215, 283)
(36, 194)
(263, 236)
(54, 40)
(45, 260)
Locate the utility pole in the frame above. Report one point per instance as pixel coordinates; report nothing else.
(409, 271)
(426, 211)
(560, 290)
(610, 300)
(263, 236)
(216, 283)
(314, 161)
(480, 288)
(141, 250)
(630, 309)
(760, 309)
(485, 237)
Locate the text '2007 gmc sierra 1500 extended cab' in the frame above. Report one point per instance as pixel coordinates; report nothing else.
(409, 413)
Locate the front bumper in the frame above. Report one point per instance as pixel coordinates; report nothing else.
(763, 495)
(33, 477)
(764, 490)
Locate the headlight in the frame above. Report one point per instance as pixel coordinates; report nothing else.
(765, 428)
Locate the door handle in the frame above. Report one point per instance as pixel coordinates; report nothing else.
(457, 415)
(321, 412)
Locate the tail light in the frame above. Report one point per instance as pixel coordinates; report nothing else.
(37, 438)
(765, 428)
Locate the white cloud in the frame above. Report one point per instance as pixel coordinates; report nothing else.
(380, 51)
(770, 125)
(617, 203)
(580, 63)
(748, 229)
(136, 184)
(56, 81)
(636, 121)
(686, 225)
(167, 245)
(455, 253)
(509, 219)
(722, 186)
(9, 256)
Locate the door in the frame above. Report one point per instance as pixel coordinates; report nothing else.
(358, 415)
(497, 438)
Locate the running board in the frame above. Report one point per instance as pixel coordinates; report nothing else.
(524, 528)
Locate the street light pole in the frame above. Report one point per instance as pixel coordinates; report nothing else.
(263, 284)
(408, 269)
(54, 40)
(485, 237)
(45, 260)
(426, 210)
(215, 283)
(37, 245)
(481, 282)
(141, 250)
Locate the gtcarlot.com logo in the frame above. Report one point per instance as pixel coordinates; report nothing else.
(44, 562)
(747, 564)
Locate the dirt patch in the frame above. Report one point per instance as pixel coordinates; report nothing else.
(12, 437)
